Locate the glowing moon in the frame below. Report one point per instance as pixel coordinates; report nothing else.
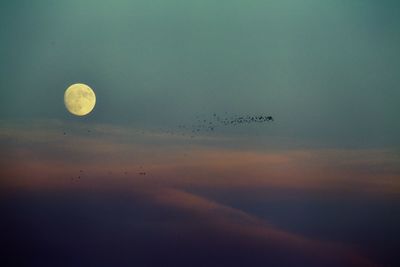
(79, 99)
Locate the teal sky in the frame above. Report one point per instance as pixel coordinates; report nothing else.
(326, 70)
(128, 185)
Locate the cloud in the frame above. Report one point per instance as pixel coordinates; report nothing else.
(150, 225)
(42, 152)
(248, 230)
(43, 160)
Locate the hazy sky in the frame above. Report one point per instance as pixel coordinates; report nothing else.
(318, 186)
(326, 70)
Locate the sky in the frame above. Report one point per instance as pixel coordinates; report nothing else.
(318, 186)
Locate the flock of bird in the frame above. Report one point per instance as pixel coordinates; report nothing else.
(202, 125)
(78, 177)
(217, 121)
(212, 123)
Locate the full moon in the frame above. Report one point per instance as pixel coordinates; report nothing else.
(79, 99)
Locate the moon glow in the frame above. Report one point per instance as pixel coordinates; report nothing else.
(79, 99)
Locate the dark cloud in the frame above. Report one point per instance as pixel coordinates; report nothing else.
(150, 227)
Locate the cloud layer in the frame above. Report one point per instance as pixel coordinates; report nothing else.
(183, 210)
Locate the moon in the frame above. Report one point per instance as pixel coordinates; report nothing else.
(79, 99)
